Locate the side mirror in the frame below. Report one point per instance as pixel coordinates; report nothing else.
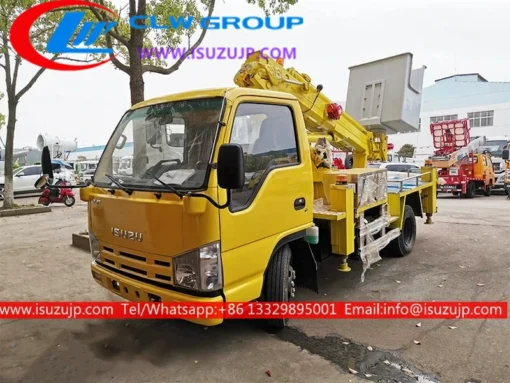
(20, 174)
(230, 166)
(47, 167)
(121, 142)
(505, 155)
(41, 182)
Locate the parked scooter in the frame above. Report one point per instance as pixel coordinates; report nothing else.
(60, 195)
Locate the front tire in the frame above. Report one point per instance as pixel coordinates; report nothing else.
(404, 243)
(488, 190)
(280, 286)
(69, 201)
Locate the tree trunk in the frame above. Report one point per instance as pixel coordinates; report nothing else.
(9, 151)
(136, 84)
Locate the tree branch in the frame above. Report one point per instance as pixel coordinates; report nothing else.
(177, 64)
(115, 32)
(33, 80)
(41, 32)
(123, 67)
(17, 61)
(76, 60)
(7, 67)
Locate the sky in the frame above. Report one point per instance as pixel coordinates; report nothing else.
(447, 36)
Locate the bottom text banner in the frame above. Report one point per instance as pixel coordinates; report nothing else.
(254, 310)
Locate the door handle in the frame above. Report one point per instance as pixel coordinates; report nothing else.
(299, 204)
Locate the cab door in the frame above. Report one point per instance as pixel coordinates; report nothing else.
(276, 202)
(490, 175)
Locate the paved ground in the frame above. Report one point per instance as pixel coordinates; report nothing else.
(38, 263)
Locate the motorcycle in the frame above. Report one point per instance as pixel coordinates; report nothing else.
(61, 195)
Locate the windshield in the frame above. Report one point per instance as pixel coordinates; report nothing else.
(495, 148)
(171, 141)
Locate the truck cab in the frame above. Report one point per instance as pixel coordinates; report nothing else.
(506, 157)
(494, 146)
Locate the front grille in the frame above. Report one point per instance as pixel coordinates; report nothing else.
(148, 266)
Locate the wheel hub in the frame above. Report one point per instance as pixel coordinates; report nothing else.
(291, 283)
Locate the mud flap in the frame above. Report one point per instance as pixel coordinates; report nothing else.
(305, 265)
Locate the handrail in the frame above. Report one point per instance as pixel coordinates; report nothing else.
(401, 181)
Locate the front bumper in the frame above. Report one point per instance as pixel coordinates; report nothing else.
(136, 291)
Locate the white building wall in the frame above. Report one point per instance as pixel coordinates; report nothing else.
(501, 125)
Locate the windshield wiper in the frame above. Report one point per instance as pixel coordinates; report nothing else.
(168, 187)
(114, 180)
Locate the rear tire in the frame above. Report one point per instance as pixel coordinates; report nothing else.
(279, 286)
(470, 190)
(404, 243)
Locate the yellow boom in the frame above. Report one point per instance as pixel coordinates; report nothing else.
(323, 118)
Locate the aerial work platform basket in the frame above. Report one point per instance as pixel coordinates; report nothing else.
(450, 136)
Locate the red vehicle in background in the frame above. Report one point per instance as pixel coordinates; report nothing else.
(461, 169)
(61, 195)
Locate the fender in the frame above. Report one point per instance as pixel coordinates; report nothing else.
(303, 260)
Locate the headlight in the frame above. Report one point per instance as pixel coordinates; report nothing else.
(94, 246)
(199, 269)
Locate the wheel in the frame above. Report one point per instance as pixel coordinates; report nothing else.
(349, 161)
(470, 190)
(404, 243)
(45, 203)
(279, 286)
(488, 190)
(69, 201)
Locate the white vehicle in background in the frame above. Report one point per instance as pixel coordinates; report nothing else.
(24, 179)
(85, 168)
(87, 175)
(64, 171)
(397, 168)
(125, 166)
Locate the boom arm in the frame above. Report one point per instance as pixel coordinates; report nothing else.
(456, 157)
(323, 118)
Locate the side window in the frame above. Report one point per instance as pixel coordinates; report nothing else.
(484, 161)
(394, 168)
(268, 137)
(31, 171)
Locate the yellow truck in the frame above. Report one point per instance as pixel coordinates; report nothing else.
(254, 204)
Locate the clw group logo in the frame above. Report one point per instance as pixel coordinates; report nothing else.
(69, 38)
